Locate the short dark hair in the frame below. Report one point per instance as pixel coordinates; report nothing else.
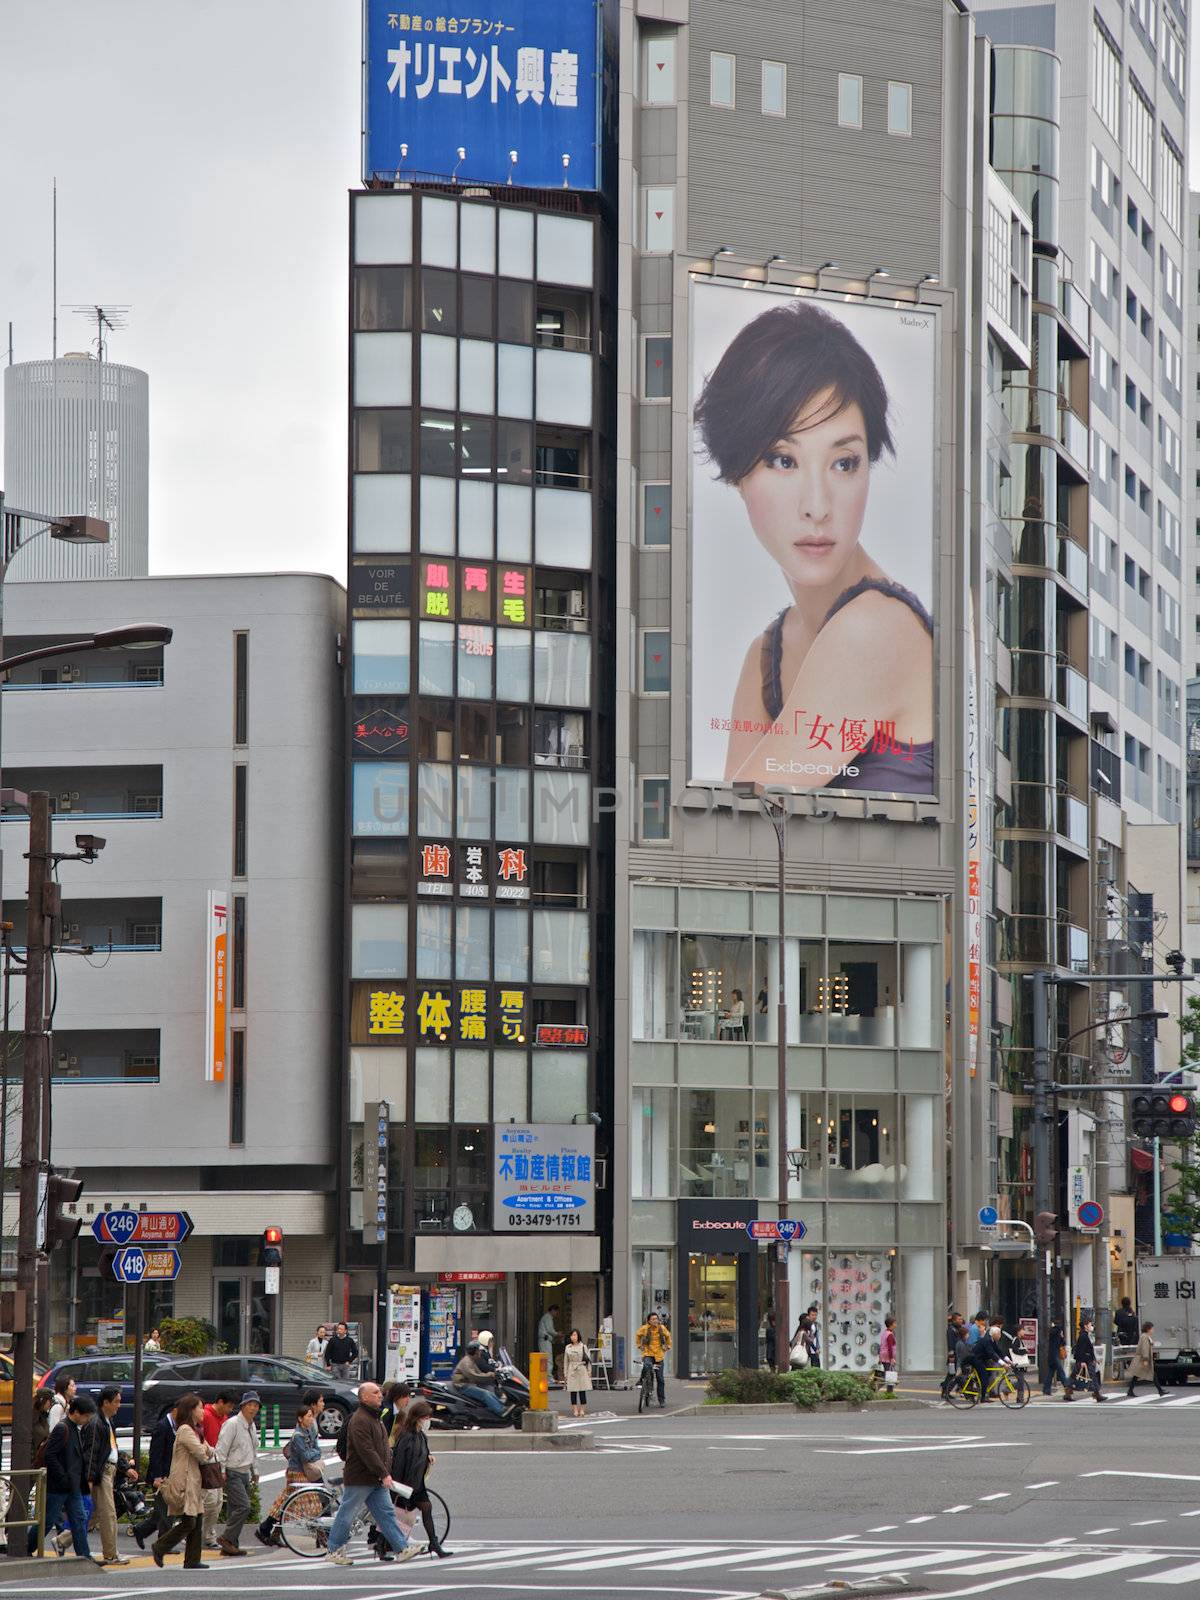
(83, 1405)
(771, 370)
(229, 1396)
(311, 1396)
(302, 1411)
(1146, 1327)
(110, 1391)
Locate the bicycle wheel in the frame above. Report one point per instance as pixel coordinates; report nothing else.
(441, 1515)
(1012, 1391)
(643, 1394)
(305, 1519)
(963, 1397)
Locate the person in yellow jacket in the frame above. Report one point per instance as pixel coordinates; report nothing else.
(654, 1340)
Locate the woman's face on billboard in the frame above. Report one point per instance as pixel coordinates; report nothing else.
(807, 496)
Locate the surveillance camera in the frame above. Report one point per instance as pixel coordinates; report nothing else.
(89, 844)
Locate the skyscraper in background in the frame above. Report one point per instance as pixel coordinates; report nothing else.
(77, 440)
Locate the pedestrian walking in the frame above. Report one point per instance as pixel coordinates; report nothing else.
(1141, 1368)
(956, 1328)
(66, 1480)
(1083, 1355)
(64, 1393)
(341, 1353)
(103, 1465)
(978, 1329)
(547, 1333)
(577, 1372)
(237, 1453)
(158, 1468)
(1056, 1355)
(814, 1335)
(43, 1399)
(367, 1480)
(211, 1474)
(1126, 1320)
(395, 1398)
(302, 1460)
(314, 1351)
(183, 1489)
(412, 1463)
(798, 1353)
(889, 1356)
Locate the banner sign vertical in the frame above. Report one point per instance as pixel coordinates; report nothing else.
(216, 937)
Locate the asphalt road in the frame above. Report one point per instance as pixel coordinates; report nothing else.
(1097, 1502)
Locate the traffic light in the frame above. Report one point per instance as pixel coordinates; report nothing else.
(271, 1253)
(1164, 1114)
(1045, 1227)
(61, 1191)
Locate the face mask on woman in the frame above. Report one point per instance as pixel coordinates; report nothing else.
(425, 1424)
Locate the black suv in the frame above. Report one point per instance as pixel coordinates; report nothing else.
(278, 1380)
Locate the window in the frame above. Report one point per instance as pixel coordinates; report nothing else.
(656, 661)
(1170, 362)
(1170, 182)
(658, 229)
(382, 299)
(237, 1086)
(656, 371)
(774, 89)
(239, 821)
(237, 966)
(383, 441)
(656, 808)
(241, 665)
(899, 113)
(1106, 78)
(1173, 55)
(656, 515)
(721, 77)
(1139, 133)
(658, 70)
(850, 100)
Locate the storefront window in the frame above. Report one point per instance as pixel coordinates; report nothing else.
(561, 946)
(432, 1092)
(861, 1147)
(474, 802)
(652, 1280)
(712, 1313)
(717, 987)
(715, 1154)
(920, 1296)
(559, 1085)
(859, 994)
(512, 803)
(804, 991)
(473, 943)
(652, 1143)
(855, 1291)
(652, 985)
(510, 1086)
(435, 800)
(380, 657)
(431, 1174)
(806, 1119)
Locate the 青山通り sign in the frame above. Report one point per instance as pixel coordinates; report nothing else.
(495, 90)
(544, 1177)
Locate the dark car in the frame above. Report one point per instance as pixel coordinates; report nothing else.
(95, 1372)
(279, 1380)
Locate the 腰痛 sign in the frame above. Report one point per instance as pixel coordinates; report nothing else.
(462, 93)
(544, 1177)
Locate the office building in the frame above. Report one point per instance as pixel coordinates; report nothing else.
(77, 441)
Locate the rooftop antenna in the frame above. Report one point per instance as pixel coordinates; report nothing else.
(105, 317)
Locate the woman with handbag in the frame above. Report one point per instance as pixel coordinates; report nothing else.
(302, 1458)
(411, 1462)
(183, 1489)
(1141, 1368)
(800, 1355)
(577, 1372)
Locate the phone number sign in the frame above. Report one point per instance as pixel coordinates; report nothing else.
(544, 1177)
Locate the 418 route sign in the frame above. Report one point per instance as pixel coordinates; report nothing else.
(141, 1227)
(135, 1265)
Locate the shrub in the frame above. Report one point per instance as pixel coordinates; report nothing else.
(186, 1336)
(806, 1388)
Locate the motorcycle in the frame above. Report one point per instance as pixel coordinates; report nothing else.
(454, 1409)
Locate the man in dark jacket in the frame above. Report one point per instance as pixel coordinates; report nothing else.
(341, 1352)
(66, 1475)
(103, 1466)
(956, 1329)
(986, 1354)
(158, 1470)
(367, 1480)
(1128, 1328)
(1083, 1354)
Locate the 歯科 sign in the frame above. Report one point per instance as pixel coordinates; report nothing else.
(544, 1177)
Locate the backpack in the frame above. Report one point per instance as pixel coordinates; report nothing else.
(343, 1439)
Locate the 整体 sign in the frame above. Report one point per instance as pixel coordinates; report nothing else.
(215, 974)
(786, 1229)
(510, 89)
(141, 1227)
(544, 1177)
(135, 1265)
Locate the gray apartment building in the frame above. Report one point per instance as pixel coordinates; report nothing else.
(209, 767)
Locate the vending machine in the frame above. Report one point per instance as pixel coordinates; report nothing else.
(403, 1358)
(443, 1332)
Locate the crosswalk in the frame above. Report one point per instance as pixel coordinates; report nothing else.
(818, 1560)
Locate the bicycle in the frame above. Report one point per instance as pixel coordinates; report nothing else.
(646, 1382)
(307, 1515)
(1008, 1385)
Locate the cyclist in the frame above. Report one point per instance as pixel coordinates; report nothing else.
(988, 1353)
(654, 1340)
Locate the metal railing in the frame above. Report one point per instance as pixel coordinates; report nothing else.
(38, 1519)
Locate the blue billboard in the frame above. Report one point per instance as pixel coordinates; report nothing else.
(498, 91)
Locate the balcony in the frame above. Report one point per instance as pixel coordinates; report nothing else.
(91, 669)
(1073, 820)
(1072, 692)
(1073, 565)
(1071, 946)
(1136, 784)
(1137, 697)
(1077, 312)
(121, 926)
(93, 794)
(1073, 436)
(1137, 608)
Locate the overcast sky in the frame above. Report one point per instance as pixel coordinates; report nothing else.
(203, 150)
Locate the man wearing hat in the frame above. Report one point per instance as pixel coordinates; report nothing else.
(237, 1452)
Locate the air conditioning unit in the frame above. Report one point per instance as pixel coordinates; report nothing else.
(65, 802)
(70, 674)
(70, 930)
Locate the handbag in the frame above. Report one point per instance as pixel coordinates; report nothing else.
(211, 1476)
(799, 1354)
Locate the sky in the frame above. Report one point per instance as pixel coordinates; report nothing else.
(203, 151)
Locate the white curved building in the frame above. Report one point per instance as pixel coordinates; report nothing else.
(77, 440)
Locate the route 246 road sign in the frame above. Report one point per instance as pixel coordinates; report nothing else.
(133, 1264)
(141, 1227)
(786, 1229)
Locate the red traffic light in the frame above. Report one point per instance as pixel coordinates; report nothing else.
(1180, 1105)
(272, 1235)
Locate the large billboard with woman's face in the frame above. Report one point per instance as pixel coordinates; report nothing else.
(812, 520)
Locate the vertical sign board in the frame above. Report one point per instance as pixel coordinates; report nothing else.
(544, 1177)
(216, 972)
(509, 91)
(974, 891)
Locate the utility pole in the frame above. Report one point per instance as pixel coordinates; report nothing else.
(35, 1069)
(1042, 1148)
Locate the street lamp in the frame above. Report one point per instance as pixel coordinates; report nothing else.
(137, 636)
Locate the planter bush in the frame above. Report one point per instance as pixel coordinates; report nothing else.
(807, 1388)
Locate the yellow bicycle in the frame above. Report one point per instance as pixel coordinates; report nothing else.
(1006, 1384)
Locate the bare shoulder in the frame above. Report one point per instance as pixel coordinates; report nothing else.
(873, 621)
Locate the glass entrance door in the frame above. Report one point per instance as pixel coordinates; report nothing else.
(712, 1313)
(243, 1312)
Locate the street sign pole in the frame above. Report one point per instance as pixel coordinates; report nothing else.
(139, 1317)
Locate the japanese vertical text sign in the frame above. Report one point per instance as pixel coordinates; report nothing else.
(484, 79)
(215, 978)
(544, 1177)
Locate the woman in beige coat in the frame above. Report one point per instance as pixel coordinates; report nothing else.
(1141, 1368)
(183, 1490)
(577, 1372)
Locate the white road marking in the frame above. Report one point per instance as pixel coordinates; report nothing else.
(950, 1510)
(1112, 1563)
(902, 1563)
(921, 1519)
(501, 1558)
(1171, 1477)
(751, 1447)
(1046, 1483)
(822, 1558)
(630, 1560)
(1004, 1494)
(1002, 1564)
(1091, 1531)
(923, 1449)
(727, 1560)
(1187, 1574)
(888, 1527)
(1149, 1522)
(1189, 1513)
(1185, 1400)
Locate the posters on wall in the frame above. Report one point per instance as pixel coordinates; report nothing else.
(812, 522)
